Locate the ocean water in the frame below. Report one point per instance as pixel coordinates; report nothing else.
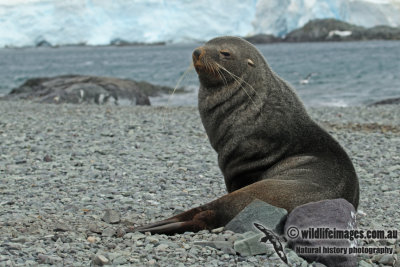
(342, 73)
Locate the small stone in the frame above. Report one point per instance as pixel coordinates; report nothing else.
(13, 246)
(111, 245)
(20, 161)
(61, 227)
(364, 264)
(294, 259)
(108, 232)
(225, 246)
(162, 247)
(377, 258)
(47, 158)
(49, 259)
(182, 169)
(387, 259)
(251, 245)
(100, 260)
(120, 232)
(135, 236)
(384, 188)
(217, 230)
(94, 228)
(119, 261)
(20, 239)
(152, 239)
(111, 216)
(91, 239)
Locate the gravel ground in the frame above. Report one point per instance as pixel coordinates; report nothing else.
(63, 167)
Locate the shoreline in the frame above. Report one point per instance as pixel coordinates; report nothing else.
(62, 166)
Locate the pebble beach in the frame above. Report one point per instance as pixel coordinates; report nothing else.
(75, 178)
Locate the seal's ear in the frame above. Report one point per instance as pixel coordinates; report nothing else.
(250, 62)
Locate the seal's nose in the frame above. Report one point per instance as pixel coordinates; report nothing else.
(197, 53)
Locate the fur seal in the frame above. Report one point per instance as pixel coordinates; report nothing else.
(268, 147)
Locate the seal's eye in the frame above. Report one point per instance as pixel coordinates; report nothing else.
(225, 53)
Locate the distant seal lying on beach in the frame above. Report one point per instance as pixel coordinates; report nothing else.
(268, 147)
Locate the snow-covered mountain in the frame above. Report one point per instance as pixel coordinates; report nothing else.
(98, 22)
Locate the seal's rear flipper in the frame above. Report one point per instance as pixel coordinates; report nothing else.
(193, 220)
(286, 194)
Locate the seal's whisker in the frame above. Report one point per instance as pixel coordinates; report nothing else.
(208, 67)
(240, 79)
(191, 67)
(221, 75)
(179, 81)
(241, 86)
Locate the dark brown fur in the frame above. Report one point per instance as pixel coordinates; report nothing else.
(268, 147)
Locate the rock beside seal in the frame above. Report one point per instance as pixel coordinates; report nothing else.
(259, 211)
(333, 214)
(86, 89)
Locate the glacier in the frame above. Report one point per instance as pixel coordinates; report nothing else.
(99, 22)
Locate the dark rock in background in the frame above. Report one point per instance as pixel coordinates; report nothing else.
(389, 101)
(321, 30)
(86, 89)
(263, 39)
(336, 213)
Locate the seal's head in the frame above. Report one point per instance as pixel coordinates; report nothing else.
(222, 60)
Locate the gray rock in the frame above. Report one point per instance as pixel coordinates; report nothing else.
(294, 259)
(225, 246)
(387, 259)
(12, 246)
(94, 228)
(61, 227)
(120, 232)
(111, 216)
(135, 236)
(389, 101)
(152, 239)
(337, 213)
(49, 259)
(100, 260)
(384, 188)
(364, 264)
(251, 245)
(261, 212)
(47, 158)
(109, 232)
(119, 261)
(20, 239)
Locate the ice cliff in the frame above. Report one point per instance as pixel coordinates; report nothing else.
(99, 22)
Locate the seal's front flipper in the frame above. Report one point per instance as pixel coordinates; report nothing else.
(193, 220)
